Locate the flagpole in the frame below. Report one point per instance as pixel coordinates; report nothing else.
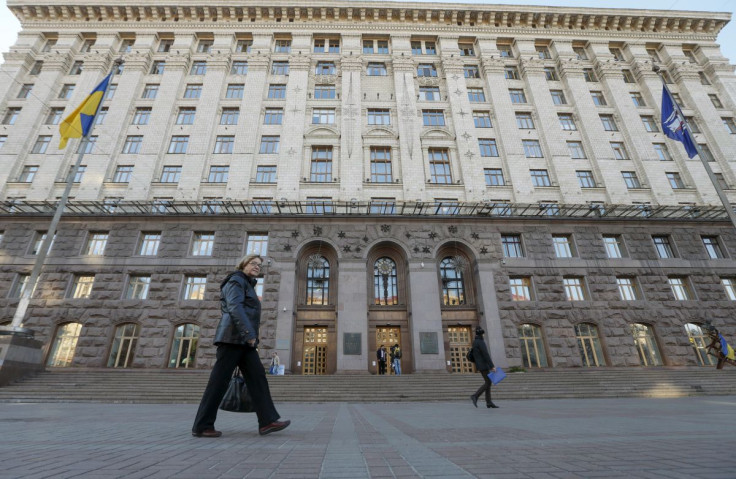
(30, 286)
(703, 159)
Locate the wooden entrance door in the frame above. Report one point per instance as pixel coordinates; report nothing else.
(388, 336)
(314, 360)
(461, 341)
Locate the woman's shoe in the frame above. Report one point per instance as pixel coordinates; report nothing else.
(475, 400)
(491, 405)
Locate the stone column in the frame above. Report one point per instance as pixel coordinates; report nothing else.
(412, 161)
(351, 138)
(426, 316)
(491, 318)
(352, 314)
(285, 312)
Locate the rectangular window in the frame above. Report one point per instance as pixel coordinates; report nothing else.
(729, 285)
(650, 124)
(269, 144)
(3, 139)
(598, 98)
(520, 288)
(517, 96)
(82, 286)
(429, 93)
(585, 179)
(433, 117)
(589, 75)
(627, 288)
(609, 124)
(239, 68)
(235, 91)
(532, 149)
(66, 91)
(28, 173)
(631, 180)
(580, 53)
(158, 67)
(164, 46)
(277, 92)
(273, 116)
(194, 287)
(42, 144)
(574, 288)
(719, 177)
(382, 206)
(150, 91)
(36, 69)
(680, 287)
(126, 46)
(11, 115)
(471, 71)
(280, 68)
(730, 125)
(476, 95)
(229, 116)
(613, 245)
(96, 243)
(101, 115)
(446, 206)
(170, 174)
(178, 145)
(713, 247)
(202, 244)
(376, 69)
(511, 72)
(323, 116)
(494, 177)
(141, 116)
(543, 52)
(628, 77)
(567, 122)
(80, 173)
(715, 100)
(122, 174)
(54, 117)
(558, 97)
(282, 46)
(505, 51)
(637, 99)
(488, 147)
(243, 46)
(257, 243)
(466, 49)
(150, 241)
(319, 206)
(132, 144)
(675, 180)
(39, 238)
(88, 144)
(524, 121)
(192, 91)
(204, 46)
(262, 206)
(563, 246)
(77, 68)
(676, 97)
(218, 174)
(482, 119)
(663, 247)
(50, 43)
(224, 145)
(512, 247)
(576, 150)
(381, 164)
(25, 91)
(321, 166)
(325, 68)
(375, 46)
(324, 92)
(138, 287)
(439, 166)
(619, 150)
(266, 174)
(705, 152)
(186, 116)
(550, 74)
(540, 178)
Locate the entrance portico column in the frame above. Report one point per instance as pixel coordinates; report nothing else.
(285, 311)
(491, 320)
(352, 317)
(426, 318)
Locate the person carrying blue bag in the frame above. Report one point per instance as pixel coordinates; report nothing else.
(484, 364)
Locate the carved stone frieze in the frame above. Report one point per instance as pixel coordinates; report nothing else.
(177, 61)
(643, 70)
(428, 81)
(491, 65)
(351, 63)
(533, 66)
(606, 69)
(684, 72)
(325, 79)
(299, 63)
(403, 65)
(258, 63)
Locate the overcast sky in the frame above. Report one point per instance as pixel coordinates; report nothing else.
(9, 25)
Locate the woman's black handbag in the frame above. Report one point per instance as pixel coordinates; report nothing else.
(469, 356)
(237, 398)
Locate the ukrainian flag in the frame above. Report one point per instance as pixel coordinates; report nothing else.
(80, 121)
(726, 348)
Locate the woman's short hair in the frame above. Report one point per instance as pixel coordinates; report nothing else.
(247, 259)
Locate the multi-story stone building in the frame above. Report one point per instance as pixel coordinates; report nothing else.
(409, 171)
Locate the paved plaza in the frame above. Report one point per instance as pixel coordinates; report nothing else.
(575, 438)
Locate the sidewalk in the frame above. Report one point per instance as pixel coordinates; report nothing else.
(567, 438)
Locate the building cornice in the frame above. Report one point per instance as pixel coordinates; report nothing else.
(387, 15)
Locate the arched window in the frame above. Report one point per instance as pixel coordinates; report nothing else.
(532, 346)
(699, 341)
(589, 345)
(123, 346)
(646, 346)
(184, 346)
(64, 345)
(453, 284)
(385, 288)
(318, 281)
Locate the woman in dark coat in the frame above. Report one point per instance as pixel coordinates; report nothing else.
(236, 339)
(484, 364)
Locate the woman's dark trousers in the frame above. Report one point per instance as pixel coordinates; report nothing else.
(486, 387)
(228, 357)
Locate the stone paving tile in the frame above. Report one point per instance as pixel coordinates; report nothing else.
(552, 439)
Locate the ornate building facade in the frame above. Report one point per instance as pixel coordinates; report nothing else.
(408, 170)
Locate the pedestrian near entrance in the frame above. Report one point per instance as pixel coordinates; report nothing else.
(382, 357)
(396, 358)
(236, 339)
(484, 364)
(275, 363)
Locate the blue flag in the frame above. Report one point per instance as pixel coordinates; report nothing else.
(674, 126)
